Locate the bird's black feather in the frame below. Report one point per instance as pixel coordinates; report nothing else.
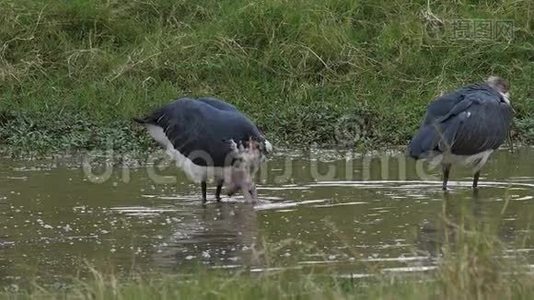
(201, 129)
(217, 103)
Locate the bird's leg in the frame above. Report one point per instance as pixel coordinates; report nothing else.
(475, 179)
(446, 171)
(203, 185)
(218, 191)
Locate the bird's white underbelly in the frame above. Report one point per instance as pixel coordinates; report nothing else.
(194, 172)
(477, 161)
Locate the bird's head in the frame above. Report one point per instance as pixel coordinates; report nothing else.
(247, 159)
(500, 85)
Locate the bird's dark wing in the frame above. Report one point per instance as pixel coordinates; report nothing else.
(443, 105)
(476, 120)
(439, 134)
(485, 127)
(219, 104)
(202, 132)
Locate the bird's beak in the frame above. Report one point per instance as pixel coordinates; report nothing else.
(251, 195)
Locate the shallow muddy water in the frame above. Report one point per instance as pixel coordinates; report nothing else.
(370, 213)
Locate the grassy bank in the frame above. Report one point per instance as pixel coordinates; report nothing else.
(73, 73)
(265, 287)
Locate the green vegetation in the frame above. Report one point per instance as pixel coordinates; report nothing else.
(262, 287)
(73, 73)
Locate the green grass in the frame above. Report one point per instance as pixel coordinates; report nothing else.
(212, 286)
(73, 73)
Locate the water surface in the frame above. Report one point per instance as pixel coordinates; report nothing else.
(370, 214)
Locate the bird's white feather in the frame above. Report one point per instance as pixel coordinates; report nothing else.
(476, 161)
(268, 146)
(194, 172)
(506, 97)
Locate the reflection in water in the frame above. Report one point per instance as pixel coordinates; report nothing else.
(225, 234)
(52, 219)
(459, 215)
